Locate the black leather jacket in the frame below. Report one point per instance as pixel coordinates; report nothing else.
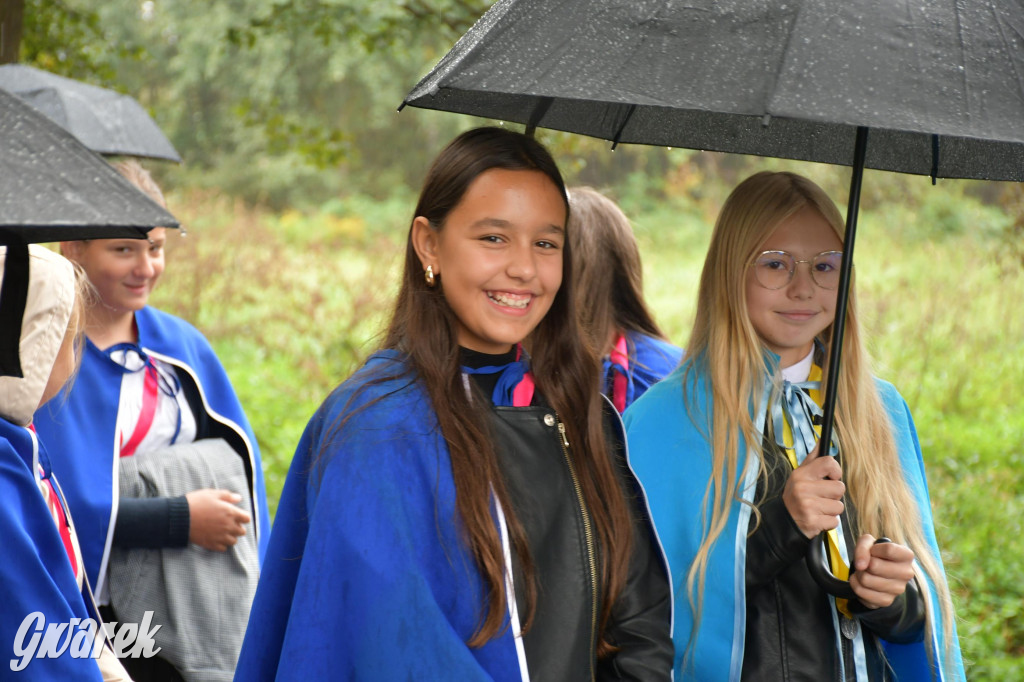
(790, 632)
(560, 646)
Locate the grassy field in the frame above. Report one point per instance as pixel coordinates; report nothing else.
(292, 303)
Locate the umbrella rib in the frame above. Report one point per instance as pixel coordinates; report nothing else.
(618, 133)
(614, 77)
(538, 114)
(1006, 45)
(965, 82)
(771, 91)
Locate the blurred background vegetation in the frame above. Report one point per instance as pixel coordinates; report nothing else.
(298, 182)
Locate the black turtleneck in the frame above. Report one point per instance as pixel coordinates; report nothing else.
(475, 359)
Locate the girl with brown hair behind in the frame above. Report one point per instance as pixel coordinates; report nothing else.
(609, 287)
(456, 509)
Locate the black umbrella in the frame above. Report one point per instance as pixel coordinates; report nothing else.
(939, 84)
(52, 188)
(105, 121)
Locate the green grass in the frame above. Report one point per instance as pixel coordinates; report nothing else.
(292, 304)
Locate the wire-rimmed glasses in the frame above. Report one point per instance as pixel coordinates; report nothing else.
(774, 269)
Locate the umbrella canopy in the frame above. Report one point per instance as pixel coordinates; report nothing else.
(938, 83)
(103, 120)
(52, 188)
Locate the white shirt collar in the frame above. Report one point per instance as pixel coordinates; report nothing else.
(801, 370)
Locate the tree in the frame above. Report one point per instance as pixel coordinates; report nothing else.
(291, 102)
(56, 36)
(11, 13)
(279, 103)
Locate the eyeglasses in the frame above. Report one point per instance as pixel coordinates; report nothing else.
(774, 269)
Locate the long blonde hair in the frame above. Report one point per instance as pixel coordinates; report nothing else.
(134, 172)
(726, 348)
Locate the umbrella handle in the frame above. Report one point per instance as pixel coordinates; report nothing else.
(826, 581)
(816, 551)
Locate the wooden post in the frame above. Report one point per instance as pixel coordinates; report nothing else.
(11, 13)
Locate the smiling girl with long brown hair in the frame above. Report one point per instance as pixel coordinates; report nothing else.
(460, 509)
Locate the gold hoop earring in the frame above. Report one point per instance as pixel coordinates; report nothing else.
(428, 275)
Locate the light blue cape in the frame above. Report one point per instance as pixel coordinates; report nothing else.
(672, 459)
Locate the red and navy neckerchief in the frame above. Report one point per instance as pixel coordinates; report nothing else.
(515, 385)
(154, 383)
(618, 385)
(58, 510)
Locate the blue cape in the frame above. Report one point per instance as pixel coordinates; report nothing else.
(367, 576)
(80, 430)
(672, 459)
(650, 360)
(35, 574)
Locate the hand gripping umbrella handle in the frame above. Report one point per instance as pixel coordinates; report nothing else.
(826, 581)
(815, 554)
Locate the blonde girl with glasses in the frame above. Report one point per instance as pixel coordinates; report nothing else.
(726, 449)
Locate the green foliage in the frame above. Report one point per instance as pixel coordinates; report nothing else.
(281, 104)
(291, 304)
(379, 25)
(1011, 253)
(69, 41)
(950, 333)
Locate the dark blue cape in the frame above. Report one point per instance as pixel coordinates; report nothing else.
(672, 459)
(367, 576)
(80, 429)
(35, 574)
(650, 360)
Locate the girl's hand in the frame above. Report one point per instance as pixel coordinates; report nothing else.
(883, 571)
(814, 494)
(215, 522)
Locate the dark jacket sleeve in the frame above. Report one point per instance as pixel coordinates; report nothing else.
(775, 544)
(151, 522)
(902, 622)
(778, 542)
(641, 618)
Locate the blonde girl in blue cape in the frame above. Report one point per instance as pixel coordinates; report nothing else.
(726, 450)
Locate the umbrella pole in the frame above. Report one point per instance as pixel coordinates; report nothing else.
(843, 294)
(13, 298)
(815, 555)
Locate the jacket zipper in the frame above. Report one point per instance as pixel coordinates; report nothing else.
(588, 535)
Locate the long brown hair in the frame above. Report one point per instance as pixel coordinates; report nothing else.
(424, 327)
(609, 282)
(725, 346)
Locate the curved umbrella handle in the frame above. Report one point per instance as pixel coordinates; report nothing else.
(826, 581)
(816, 552)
